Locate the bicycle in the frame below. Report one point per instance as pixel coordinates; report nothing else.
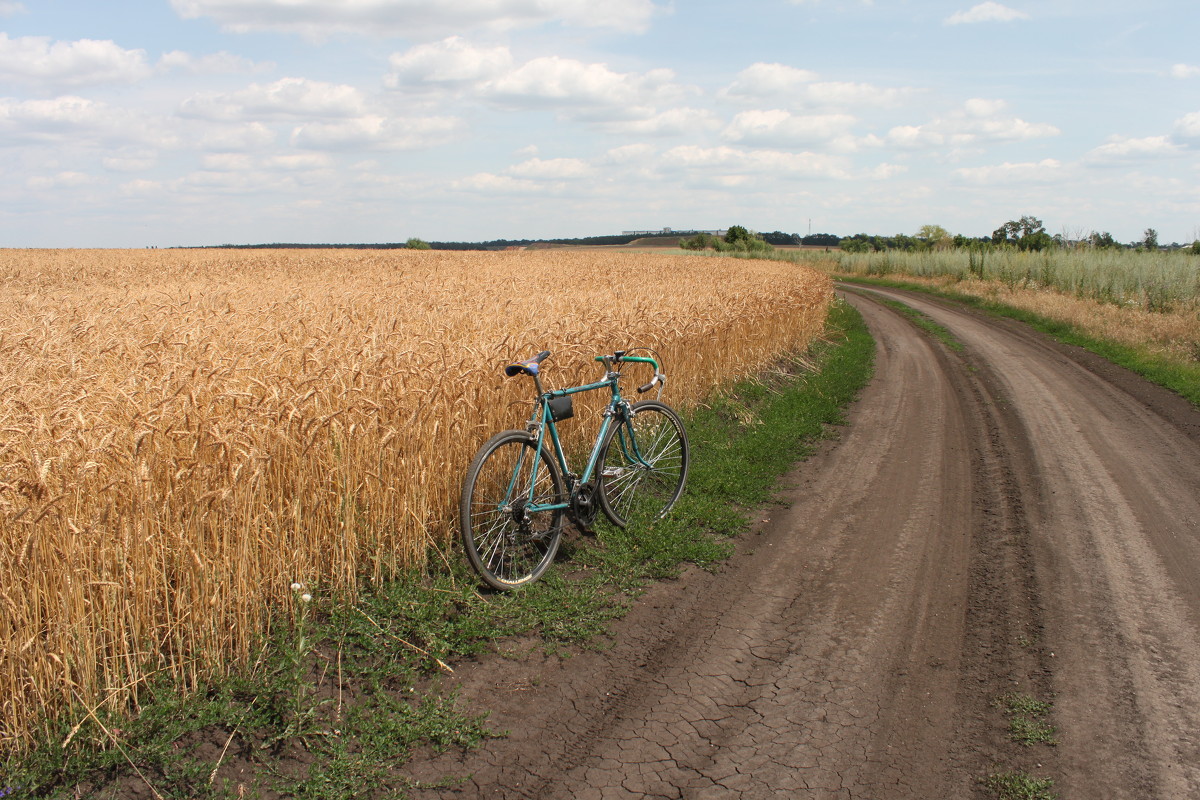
(519, 487)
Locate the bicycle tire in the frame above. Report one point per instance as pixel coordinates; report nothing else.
(507, 547)
(643, 465)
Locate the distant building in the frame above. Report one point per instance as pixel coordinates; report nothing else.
(670, 232)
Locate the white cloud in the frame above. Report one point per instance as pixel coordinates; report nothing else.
(238, 138)
(60, 180)
(1047, 170)
(487, 183)
(131, 161)
(9, 8)
(1119, 149)
(86, 62)
(587, 91)
(221, 63)
(672, 122)
(1188, 126)
(1185, 71)
(779, 83)
(764, 81)
(288, 98)
(552, 169)
(778, 128)
(452, 62)
(227, 162)
(985, 12)
(375, 132)
(629, 154)
(735, 160)
(76, 120)
(293, 162)
(978, 121)
(321, 18)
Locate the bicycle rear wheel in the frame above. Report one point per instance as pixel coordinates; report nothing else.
(508, 545)
(643, 465)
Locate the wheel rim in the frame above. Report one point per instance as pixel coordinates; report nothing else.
(643, 474)
(509, 544)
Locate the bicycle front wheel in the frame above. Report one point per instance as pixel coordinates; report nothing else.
(643, 465)
(507, 544)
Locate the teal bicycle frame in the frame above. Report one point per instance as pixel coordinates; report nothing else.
(542, 420)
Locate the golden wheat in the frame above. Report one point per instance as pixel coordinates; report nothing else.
(185, 433)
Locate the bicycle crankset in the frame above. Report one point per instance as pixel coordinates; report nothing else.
(584, 507)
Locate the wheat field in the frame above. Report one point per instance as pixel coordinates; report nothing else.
(184, 433)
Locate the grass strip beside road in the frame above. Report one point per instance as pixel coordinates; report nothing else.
(1180, 377)
(342, 692)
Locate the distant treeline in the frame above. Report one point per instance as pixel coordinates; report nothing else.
(494, 244)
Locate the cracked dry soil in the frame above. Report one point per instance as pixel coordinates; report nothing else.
(1018, 517)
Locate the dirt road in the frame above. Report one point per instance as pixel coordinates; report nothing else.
(1018, 519)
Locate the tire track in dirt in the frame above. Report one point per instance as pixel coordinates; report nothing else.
(1117, 543)
(925, 564)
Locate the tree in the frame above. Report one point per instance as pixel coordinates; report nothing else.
(1102, 240)
(1150, 239)
(935, 236)
(417, 244)
(1026, 233)
(742, 240)
(737, 234)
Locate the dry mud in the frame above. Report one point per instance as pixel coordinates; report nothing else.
(1020, 517)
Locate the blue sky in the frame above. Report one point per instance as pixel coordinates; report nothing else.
(187, 122)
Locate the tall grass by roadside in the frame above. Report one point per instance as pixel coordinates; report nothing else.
(183, 434)
(1151, 281)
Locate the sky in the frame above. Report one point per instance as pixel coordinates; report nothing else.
(140, 123)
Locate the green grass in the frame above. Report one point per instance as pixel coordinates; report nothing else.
(1027, 723)
(1181, 378)
(342, 692)
(1019, 786)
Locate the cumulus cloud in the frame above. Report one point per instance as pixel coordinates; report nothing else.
(238, 138)
(978, 121)
(221, 63)
(1047, 170)
(985, 12)
(288, 98)
(408, 18)
(491, 184)
(76, 120)
(778, 128)
(86, 62)
(552, 169)
(1119, 149)
(672, 122)
(734, 160)
(376, 132)
(582, 90)
(60, 180)
(791, 86)
(452, 62)
(1188, 126)
(763, 81)
(575, 89)
(9, 8)
(1185, 71)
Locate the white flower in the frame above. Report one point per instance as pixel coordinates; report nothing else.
(297, 587)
